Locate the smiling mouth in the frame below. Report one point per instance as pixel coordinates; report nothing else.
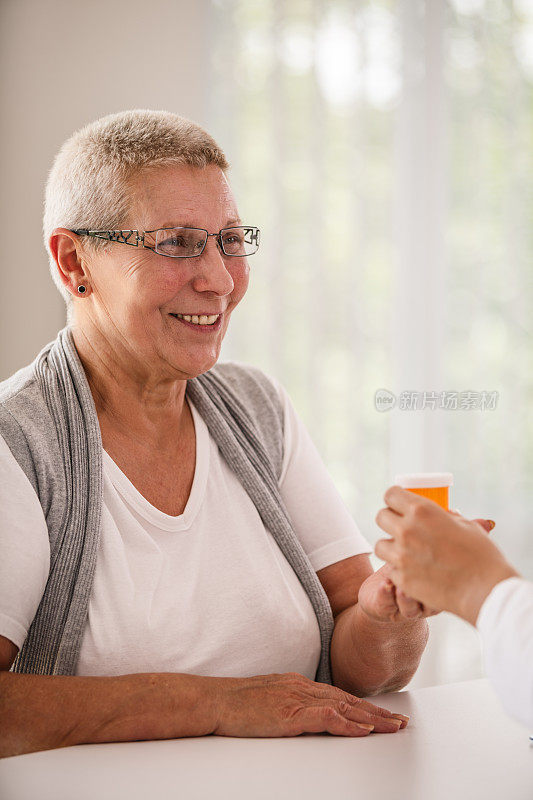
(212, 322)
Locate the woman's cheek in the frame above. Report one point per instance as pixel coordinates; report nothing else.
(241, 278)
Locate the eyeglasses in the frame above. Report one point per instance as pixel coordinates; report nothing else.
(238, 241)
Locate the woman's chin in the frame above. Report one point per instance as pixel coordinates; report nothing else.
(195, 360)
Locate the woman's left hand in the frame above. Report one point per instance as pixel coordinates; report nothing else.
(381, 600)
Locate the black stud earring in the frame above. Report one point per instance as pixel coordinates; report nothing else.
(82, 289)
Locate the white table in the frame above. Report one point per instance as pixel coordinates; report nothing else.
(459, 745)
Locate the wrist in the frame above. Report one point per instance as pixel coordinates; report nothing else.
(467, 604)
(224, 703)
(191, 703)
(214, 699)
(361, 617)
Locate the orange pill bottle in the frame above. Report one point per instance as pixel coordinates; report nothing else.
(435, 485)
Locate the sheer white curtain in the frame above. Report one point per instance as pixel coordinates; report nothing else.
(384, 148)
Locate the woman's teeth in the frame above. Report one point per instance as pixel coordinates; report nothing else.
(203, 320)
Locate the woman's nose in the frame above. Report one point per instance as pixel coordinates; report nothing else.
(212, 272)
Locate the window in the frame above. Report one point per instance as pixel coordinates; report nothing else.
(384, 148)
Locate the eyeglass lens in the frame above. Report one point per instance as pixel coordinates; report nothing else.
(189, 242)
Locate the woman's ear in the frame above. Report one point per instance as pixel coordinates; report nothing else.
(66, 249)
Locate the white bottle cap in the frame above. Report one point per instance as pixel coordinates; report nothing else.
(423, 480)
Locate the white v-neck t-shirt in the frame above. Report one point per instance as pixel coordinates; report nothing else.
(207, 592)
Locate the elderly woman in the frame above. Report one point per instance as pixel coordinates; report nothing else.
(175, 559)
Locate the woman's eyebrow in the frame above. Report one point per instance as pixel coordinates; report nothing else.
(182, 224)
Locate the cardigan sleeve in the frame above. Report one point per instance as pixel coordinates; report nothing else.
(24, 549)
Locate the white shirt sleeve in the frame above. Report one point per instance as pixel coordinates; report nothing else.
(24, 549)
(321, 520)
(505, 622)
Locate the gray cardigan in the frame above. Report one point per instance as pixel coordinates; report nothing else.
(49, 421)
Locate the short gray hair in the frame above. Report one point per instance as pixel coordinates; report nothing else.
(88, 185)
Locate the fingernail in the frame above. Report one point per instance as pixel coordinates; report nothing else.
(366, 727)
(402, 717)
(491, 523)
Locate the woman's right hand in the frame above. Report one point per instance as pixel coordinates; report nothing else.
(289, 704)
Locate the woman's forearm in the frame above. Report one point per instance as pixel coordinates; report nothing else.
(369, 657)
(41, 712)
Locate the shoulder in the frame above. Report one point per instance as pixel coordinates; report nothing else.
(22, 402)
(24, 388)
(26, 424)
(22, 380)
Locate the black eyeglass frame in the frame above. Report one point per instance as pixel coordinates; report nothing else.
(123, 237)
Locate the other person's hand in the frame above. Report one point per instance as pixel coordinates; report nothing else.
(289, 704)
(440, 559)
(381, 599)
